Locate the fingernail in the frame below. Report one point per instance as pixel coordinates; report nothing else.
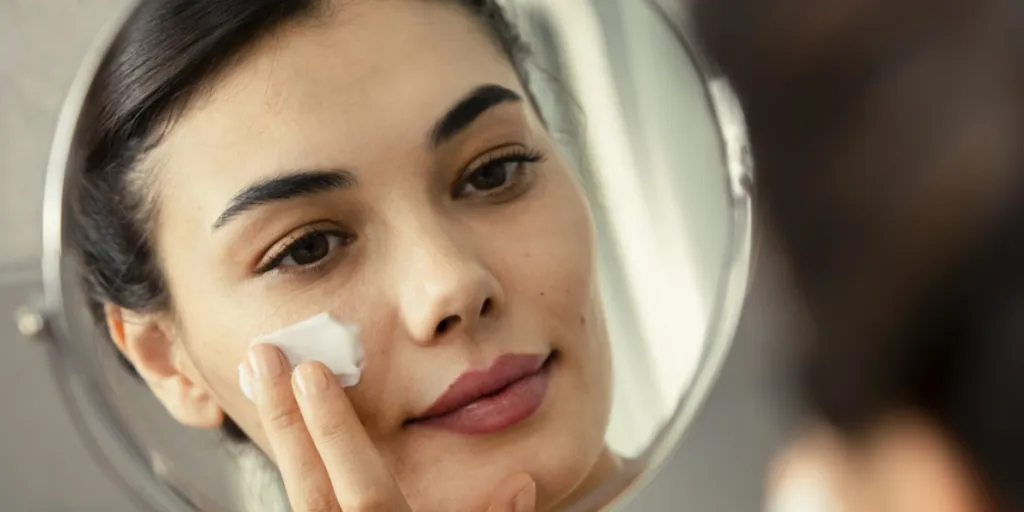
(526, 500)
(311, 379)
(245, 380)
(267, 361)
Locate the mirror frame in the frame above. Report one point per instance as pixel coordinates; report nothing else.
(111, 448)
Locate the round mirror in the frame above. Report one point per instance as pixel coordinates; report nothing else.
(559, 184)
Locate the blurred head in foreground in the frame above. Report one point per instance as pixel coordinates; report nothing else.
(889, 147)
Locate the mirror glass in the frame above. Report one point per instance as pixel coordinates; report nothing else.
(224, 171)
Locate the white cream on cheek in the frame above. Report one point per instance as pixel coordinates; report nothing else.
(320, 338)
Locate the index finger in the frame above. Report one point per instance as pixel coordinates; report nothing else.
(305, 478)
(361, 480)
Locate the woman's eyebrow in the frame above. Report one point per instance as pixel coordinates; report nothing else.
(466, 110)
(280, 188)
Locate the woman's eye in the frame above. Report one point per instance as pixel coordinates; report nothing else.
(499, 174)
(493, 176)
(307, 251)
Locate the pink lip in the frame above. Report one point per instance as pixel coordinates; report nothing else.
(483, 402)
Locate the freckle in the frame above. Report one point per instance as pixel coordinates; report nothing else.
(583, 320)
(541, 294)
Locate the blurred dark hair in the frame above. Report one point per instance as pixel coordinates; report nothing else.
(888, 142)
(165, 55)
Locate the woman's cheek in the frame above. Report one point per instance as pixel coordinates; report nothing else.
(564, 269)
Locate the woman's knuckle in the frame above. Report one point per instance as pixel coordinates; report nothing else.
(284, 418)
(330, 430)
(320, 502)
(371, 501)
(310, 469)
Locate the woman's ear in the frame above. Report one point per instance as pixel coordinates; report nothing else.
(146, 341)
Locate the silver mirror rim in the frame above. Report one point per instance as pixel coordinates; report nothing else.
(114, 451)
(88, 408)
(735, 281)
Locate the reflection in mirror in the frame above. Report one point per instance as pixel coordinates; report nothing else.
(527, 214)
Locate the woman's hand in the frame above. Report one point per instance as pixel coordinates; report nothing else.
(325, 456)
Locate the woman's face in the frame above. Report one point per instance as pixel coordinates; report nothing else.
(383, 164)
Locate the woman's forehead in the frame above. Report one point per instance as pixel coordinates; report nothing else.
(365, 82)
(366, 61)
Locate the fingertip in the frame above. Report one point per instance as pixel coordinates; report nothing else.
(267, 361)
(311, 378)
(517, 493)
(526, 499)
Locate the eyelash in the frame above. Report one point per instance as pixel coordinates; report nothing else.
(517, 154)
(275, 262)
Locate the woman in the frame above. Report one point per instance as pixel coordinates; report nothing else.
(252, 163)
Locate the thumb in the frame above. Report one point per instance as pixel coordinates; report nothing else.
(517, 493)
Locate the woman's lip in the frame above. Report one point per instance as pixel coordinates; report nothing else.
(508, 392)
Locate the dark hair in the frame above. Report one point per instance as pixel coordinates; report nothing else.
(163, 57)
(888, 147)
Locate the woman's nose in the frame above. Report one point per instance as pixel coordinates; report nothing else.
(445, 291)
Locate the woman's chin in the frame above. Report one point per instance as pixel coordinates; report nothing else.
(468, 481)
(561, 475)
